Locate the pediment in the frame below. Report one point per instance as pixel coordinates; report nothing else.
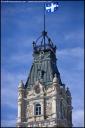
(38, 87)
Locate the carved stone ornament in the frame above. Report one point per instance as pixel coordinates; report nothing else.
(30, 110)
(19, 95)
(41, 55)
(37, 89)
(49, 108)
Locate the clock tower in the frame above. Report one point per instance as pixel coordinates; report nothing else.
(44, 101)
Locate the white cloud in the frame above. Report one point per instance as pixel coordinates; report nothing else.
(18, 59)
(21, 58)
(78, 118)
(8, 123)
(9, 95)
(75, 35)
(71, 60)
(74, 52)
(9, 88)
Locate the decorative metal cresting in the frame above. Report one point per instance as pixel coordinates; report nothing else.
(43, 42)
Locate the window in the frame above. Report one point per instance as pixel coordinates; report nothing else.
(37, 109)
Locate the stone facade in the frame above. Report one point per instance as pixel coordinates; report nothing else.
(44, 101)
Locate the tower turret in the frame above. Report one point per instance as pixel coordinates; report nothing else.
(47, 102)
(55, 79)
(21, 104)
(69, 107)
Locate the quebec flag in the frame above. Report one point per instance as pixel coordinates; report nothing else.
(51, 7)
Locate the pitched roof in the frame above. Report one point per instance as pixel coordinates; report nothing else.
(44, 65)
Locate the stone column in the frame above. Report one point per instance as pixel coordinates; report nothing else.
(54, 111)
(55, 98)
(42, 108)
(58, 108)
(20, 103)
(19, 112)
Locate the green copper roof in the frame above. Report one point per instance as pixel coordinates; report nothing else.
(44, 64)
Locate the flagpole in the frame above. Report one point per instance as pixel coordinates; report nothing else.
(44, 26)
(44, 16)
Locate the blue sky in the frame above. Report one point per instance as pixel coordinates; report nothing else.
(21, 23)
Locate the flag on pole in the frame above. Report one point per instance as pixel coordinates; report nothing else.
(51, 7)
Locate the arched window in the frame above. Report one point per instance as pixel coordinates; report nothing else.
(37, 109)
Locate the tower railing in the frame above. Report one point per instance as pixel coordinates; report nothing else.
(44, 44)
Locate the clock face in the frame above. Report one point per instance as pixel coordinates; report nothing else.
(37, 89)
